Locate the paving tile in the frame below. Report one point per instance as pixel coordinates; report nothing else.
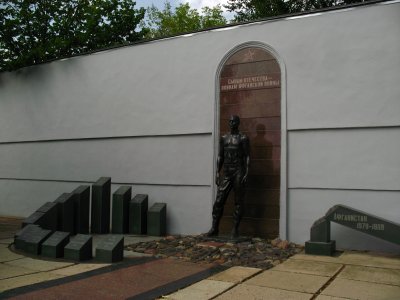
(205, 289)
(304, 283)
(38, 264)
(248, 292)
(353, 289)
(309, 267)
(235, 274)
(78, 269)
(7, 255)
(322, 258)
(324, 297)
(11, 283)
(7, 271)
(371, 260)
(377, 275)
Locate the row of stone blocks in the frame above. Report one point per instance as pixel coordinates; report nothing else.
(70, 212)
(35, 240)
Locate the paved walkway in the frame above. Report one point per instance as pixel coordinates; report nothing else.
(351, 275)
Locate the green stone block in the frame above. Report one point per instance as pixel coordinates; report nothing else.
(157, 220)
(110, 249)
(66, 212)
(138, 208)
(54, 245)
(79, 248)
(21, 235)
(81, 208)
(320, 248)
(120, 209)
(50, 217)
(33, 242)
(37, 218)
(101, 192)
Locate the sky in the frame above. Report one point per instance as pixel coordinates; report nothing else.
(198, 4)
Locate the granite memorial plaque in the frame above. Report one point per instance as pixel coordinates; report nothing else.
(21, 235)
(138, 208)
(54, 245)
(50, 217)
(33, 241)
(120, 209)
(66, 212)
(79, 248)
(320, 242)
(157, 220)
(110, 249)
(81, 208)
(101, 192)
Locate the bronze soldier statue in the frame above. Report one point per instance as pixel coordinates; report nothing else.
(234, 156)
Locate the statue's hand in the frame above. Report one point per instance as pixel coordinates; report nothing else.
(217, 179)
(244, 179)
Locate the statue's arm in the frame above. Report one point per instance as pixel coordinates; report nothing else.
(246, 153)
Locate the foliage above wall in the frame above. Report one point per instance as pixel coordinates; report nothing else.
(35, 31)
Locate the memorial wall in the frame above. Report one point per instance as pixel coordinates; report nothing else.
(322, 112)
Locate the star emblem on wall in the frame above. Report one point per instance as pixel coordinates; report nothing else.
(249, 55)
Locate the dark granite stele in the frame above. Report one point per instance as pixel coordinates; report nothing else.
(320, 242)
(82, 208)
(101, 193)
(46, 216)
(33, 242)
(120, 209)
(54, 245)
(23, 234)
(157, 220)
(79, 248)
(138, 208)
(110, 249)
(66, 204)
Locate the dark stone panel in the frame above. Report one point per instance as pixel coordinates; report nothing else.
(79, 248)
(138, 208)
(50, 217)
(81, 209)
(33, 241)
(261, 96)
(259, 152)
(21, 235)
(259, 211)
(157, 220)
(66, 204)
(265, 181)
(54, 245)
(254, 124)
(250, 69)
(250, 111)
(101, 193)
(249, 54)
(265, 228)
(265, 167)
(120, 209)
(110, 249)
(260, 195)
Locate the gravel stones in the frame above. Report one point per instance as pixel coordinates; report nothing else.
(246, 252)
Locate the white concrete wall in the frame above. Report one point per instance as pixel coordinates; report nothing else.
(144, 115)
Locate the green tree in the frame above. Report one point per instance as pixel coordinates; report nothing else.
(248, 10)
(36, 31)
(169, 22)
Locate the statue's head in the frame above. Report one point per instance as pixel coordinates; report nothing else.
(234, 122)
